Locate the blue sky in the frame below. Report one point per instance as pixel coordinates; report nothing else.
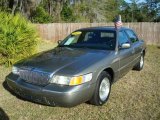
(138, 1)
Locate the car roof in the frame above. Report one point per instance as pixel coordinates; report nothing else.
(112, 28)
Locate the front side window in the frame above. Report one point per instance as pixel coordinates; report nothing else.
(122, 38)
(132, 36)
(94, 39)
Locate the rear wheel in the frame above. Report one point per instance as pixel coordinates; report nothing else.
(140, 65)
(102, 90)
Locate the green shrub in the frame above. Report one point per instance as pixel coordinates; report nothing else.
(41, 16)
(18, 38)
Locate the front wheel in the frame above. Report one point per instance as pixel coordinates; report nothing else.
(102, 90)
(140, 65)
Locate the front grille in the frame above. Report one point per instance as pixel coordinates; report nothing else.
(35, 77)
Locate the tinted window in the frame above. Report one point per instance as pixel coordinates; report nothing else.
(132, 36)
(95, 39)
(122, 38)
(107, 34)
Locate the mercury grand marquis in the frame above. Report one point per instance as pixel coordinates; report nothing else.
(81, 68)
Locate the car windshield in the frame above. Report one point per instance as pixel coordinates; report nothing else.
(94, 39)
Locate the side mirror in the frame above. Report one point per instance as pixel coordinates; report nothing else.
(59, 42)
(126, 45)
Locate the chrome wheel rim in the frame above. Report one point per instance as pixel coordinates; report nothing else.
(141, 62)
(104, 89)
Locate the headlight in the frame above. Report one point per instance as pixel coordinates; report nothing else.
(15, 70)
(64, 80)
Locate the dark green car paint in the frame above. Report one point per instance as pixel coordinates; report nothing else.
(68, 61)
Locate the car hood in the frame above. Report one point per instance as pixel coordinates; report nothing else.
(64, 60)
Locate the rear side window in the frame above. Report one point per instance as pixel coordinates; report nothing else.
(132, 36)
(107, 34)
(122, 38)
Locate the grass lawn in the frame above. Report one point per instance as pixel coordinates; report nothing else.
(135, 97)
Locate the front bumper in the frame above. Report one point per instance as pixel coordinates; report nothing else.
(53, 95)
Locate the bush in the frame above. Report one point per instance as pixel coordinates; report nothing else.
(41, 16)
(18, 38)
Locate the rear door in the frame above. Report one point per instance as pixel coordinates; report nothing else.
(125, 55)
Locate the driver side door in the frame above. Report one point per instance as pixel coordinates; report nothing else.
(125, 54)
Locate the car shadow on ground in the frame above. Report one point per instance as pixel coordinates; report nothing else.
(3, 115)
(21, 98)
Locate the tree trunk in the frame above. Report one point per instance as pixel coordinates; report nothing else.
(20, 6)
(58, 8)
(15, 4)
(50, 7)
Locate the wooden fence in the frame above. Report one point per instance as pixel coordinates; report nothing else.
(150, 32)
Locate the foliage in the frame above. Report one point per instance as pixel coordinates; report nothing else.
(44, 11)
(18, 38)
(95, 11)
(80, 12)
(3, 5)
(67, 14)
(111, 9)
(41, 16)
(135, 11)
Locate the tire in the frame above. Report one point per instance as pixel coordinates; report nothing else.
(102, 90)
(140, 65)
